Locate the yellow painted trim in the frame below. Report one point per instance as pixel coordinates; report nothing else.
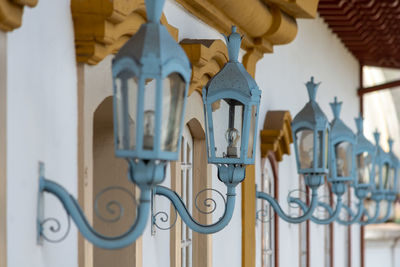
(11, 13)
(263, 23)
(101, 27)
(277, 134)
(207, 58)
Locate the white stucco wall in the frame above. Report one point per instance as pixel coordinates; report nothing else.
(42, 126)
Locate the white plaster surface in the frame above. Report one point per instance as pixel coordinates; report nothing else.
(42, 126)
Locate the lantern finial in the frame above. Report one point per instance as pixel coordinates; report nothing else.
(390, 142)
(336, 107)
(312, 88)
(233, 42)
(377, 136)
(360, 124)
(154, 9)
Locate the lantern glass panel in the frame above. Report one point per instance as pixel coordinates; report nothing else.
(364, 167)
(391, 176)
(149, 115)
(227, 116)
(377, 176)
(173, 100)
(305, 144)
(343, 153)
(253, 122)
(322, 149)
(385, 175)
(126, 86)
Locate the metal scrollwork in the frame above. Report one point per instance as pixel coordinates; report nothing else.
(54, 226)
(114, 208)
(164, 218)
(264, 215)
(290, 197)
(209, 202)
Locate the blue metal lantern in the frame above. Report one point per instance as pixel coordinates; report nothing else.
(342, 157)
(382, 169)
(151, 74)
(365, 153)
(310, 128)
(231, 103)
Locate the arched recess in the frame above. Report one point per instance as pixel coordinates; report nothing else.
(201, 179)
(110, 172)
(268, 227)
(276, 137)
(95, 152)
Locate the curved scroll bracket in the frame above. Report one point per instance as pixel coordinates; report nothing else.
(180, 207)
(332, 214)
(308, 211)
(353, 218)
(73, 211)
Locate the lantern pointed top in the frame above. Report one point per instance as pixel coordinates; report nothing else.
(336, 107)
(390, 143)
(359, 124)
(312, 88)
(154, 9)
(233, 42)
(377, 136)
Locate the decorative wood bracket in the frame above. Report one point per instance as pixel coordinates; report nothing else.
(264, 23)
(101, 27)
(11, 13)
(277, 134)
(207, 58)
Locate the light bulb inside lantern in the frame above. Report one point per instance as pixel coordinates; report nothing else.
(232, 137)
(148, 135)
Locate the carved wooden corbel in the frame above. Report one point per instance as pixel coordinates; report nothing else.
(276, 136)
(101, 27)
(207, 58)
(11, 13)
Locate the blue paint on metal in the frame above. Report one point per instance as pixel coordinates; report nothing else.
(151, 53)
(190, 221)
(232, 82)
(308, 212)
(332, 214)
(312, 118)
(340, 133)
(107, 242)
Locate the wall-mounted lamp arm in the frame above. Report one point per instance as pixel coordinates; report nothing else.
(189, 220)
(332, 214)
(74, 211)
(275, 205)
(354, 218)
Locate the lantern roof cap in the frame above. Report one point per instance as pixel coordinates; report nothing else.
(152, 47)
(311, 112)
(362, 142)
(338, 127)
(233, 76)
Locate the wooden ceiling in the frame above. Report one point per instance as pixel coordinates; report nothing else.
(370, 29)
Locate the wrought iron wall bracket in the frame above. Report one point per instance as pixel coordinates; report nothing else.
(332, 214)
(307, 212)
(73, 210)
(180, 207)
(354, 218)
